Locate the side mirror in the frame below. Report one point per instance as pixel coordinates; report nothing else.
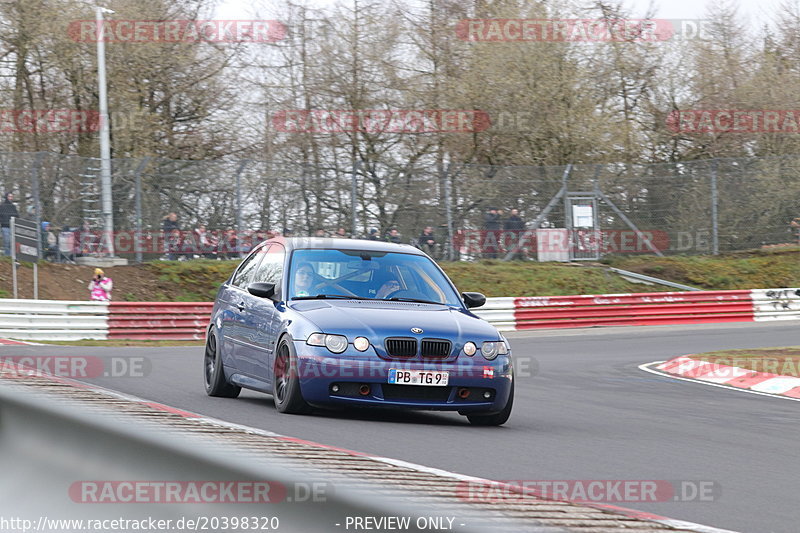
(262, 290)
(473, 299)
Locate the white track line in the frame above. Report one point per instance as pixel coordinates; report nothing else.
(646, 368)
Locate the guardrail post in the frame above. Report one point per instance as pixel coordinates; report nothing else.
(714, 208)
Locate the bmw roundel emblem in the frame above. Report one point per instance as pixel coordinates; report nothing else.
(416, 330)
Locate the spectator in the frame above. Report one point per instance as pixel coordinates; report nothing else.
(491, 223)
(206, 245)
(230, 244)
(49, 243)
(394, 236)
(100, 286)
(341, 233)
(320, 233)
(514, 222)
(516, 226)
(84, 239)
(373, 235)
(7, 210)
(287, 232)
(491, 220)
(170, 223)
(172, 235)
(795, 223)
(427, 242)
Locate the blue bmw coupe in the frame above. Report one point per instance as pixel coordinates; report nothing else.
(325, 322)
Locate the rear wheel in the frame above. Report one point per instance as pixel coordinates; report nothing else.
(495, 419)
(286, 382)
(214, 374)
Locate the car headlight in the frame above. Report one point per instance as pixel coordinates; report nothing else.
(334, 343)
(492, 349)
(361, 343)
(470, 348)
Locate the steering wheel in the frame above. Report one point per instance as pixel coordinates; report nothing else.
(332, 283)
(405, 293)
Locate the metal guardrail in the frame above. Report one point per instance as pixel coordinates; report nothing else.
(650, 279)
(53, 319)
(48, 447)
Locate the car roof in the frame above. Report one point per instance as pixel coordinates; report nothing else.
(297, 243)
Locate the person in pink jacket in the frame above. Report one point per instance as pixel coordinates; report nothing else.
(100, 286)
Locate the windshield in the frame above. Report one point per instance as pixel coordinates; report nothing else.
(368, 275)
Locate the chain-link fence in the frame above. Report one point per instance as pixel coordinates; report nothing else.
(572, 212)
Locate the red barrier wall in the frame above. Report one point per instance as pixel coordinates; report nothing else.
(158, 320)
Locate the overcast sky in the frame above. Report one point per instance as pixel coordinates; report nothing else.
(757, 12)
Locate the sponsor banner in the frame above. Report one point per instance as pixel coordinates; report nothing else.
(177, 31)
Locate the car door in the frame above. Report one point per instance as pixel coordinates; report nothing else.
(266, 315)
(237, 301)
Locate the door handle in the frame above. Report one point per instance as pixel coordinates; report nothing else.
(240, 306)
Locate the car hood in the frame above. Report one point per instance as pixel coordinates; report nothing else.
(380, 319)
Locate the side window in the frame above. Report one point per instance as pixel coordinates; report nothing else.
(244, 275)
(271, 268)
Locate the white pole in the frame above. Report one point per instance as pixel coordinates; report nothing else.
(105, 137)
(13, 256)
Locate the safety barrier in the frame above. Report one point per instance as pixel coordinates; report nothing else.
(634, 309)
(62, 320)
(54, 320)
(61, 451)
(158, 320)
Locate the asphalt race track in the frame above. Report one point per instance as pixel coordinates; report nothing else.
(583, 410)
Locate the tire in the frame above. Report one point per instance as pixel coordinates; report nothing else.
(286, 383)
(214, 374)
(495, 419)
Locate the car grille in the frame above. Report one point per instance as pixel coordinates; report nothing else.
(435, 348)
(401, 346)
(415, 392)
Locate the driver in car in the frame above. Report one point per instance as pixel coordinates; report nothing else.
(389, 286)
(304, 279)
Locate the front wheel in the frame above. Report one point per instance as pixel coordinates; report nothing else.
(214, 374)
(495, 419)
(286, 382)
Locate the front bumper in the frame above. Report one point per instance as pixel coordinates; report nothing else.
(326, 379)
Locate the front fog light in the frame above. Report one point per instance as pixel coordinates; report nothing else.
(336, 343)
(361, 343)
(470, 348)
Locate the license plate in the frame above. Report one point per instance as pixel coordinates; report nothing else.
(418, 377)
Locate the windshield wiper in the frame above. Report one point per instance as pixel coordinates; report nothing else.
(415, 300)
(331, 296)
